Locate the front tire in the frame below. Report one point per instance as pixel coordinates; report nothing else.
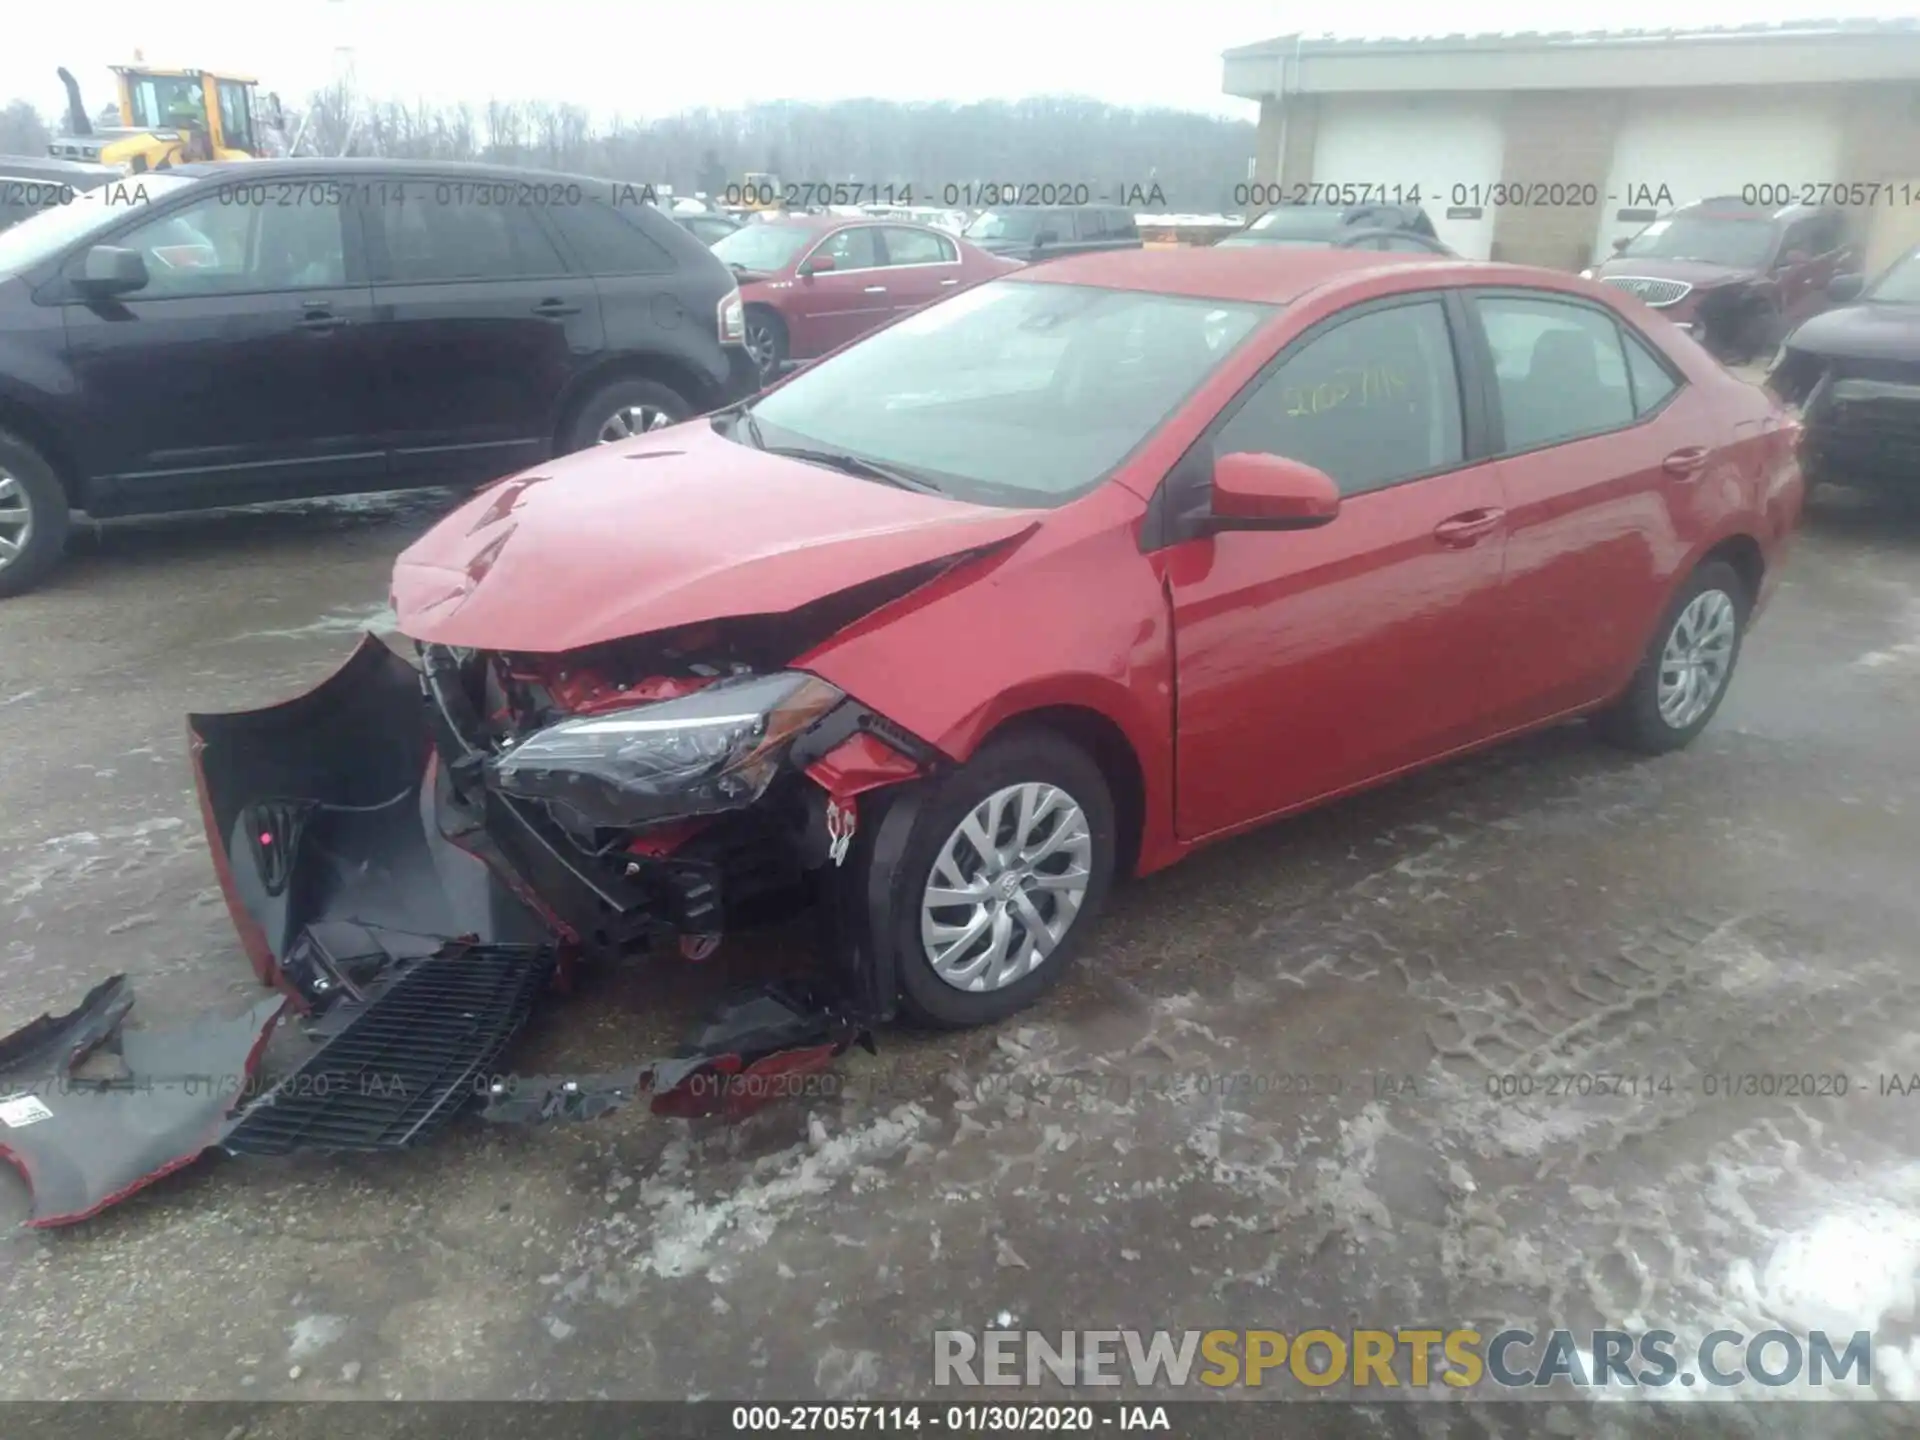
(623, 410)
(1004, 873)
(1687, 668)
(767, 342)
(34, 516)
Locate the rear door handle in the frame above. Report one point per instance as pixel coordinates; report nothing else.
(949, 282)
(876, 289)
(1685, 462)
(554, 309)
(1468, 528)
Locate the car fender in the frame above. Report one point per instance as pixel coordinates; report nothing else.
(1071, 617)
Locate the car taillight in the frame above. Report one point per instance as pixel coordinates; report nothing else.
(733, 320)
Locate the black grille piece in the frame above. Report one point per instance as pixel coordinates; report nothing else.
(395, 1068)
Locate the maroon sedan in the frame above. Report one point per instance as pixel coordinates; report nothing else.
(811, 283)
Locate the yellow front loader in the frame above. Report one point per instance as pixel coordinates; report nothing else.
(168, 118)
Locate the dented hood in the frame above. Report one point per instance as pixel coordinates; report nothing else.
(678, 527)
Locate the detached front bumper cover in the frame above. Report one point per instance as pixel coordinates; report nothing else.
(410, 930)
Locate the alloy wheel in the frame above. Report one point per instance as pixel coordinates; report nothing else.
(1006, 886)
(632, 420)
(16, 519)
(1697, 658)
(762, 346)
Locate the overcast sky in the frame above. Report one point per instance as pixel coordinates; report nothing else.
(644, 58)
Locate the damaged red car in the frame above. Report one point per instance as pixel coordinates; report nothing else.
(1036, 588)
(1044, 585)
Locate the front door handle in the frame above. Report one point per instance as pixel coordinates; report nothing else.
(317, 316)
(1468, 528)
(876, 290)
(949, 282)
(1687, 462)
(555, 309)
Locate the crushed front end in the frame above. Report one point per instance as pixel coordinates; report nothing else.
(644, 794)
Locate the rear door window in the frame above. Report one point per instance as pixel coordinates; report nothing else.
(448, 230)
(1560, 370)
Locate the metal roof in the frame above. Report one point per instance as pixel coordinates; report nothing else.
(1326, 42)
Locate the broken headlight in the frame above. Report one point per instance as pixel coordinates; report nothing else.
(714, 750)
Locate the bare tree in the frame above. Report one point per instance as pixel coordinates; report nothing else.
(945, 153)
(23, 131)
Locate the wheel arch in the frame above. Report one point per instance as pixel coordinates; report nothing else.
(1742, 551)
(32, 427)
(1110, 748)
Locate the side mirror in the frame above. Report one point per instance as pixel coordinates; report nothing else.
(1044, 239)
(1621, 243)
(111, 270)
(1252, 491)
(1846, 287)
(1794, 257)
(817, 265)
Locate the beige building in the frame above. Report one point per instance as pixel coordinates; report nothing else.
(1544, 148)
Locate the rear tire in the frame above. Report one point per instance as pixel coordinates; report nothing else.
(622, 410)
(1033, 776)
(34, 516)
(1697, 644)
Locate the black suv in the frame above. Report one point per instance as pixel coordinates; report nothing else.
(268, 330)
(1046, 232)
(1347, 227)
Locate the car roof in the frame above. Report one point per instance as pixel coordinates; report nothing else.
(1271, 275)
(46, 168)
(820, 224)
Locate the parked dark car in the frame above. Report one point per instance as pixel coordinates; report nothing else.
(32, 183)
(1855, 373)
(1046, 232)
(1342, 226)
(811, 283)
(706, 227)
(228, 334)
(1737, 276)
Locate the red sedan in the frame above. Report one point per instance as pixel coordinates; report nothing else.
(811, 283)
(1044, 585)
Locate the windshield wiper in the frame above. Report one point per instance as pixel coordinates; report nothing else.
(742, 414)
(854, 465)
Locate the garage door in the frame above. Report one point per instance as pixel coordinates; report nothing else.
(1434, 142)
(1698, 146)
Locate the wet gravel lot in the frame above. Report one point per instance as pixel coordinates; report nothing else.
(1326, 1074)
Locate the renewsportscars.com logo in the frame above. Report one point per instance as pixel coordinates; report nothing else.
(1386, 1360)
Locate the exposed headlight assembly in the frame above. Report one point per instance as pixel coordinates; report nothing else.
(717, 749)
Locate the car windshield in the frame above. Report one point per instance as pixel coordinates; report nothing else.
(1901, 284)
(1294, 224)
(159, 101)
(762, 246)
(1004, 225)
(50, 231)
(1739, 242)
(1012, 394)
